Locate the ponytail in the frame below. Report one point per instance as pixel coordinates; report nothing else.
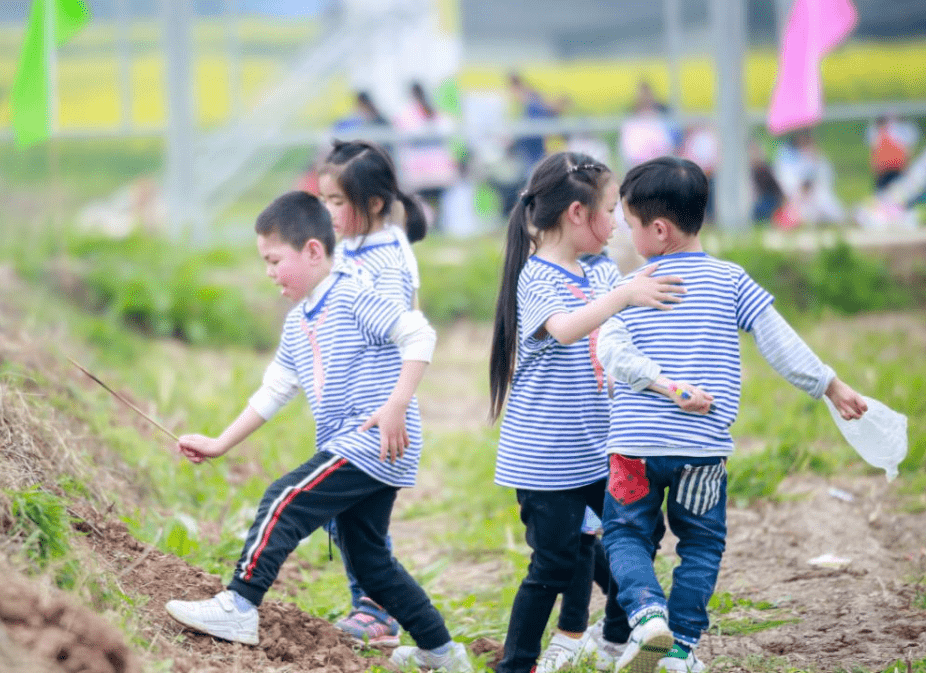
(416, 226)
(505, 331)
(557, 181)
(365, 171)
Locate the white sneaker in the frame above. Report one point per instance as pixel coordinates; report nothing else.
(454, 660)
(217, 616)
(595, 629)
(561, 652)
(649, 643)
(691, 664)
(602, 652)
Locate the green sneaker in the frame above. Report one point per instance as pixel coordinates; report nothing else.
(678, 660)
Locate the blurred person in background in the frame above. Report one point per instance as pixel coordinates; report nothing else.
(648, 132)
(528, 150)
(891, 142)
(808, 181)
(767, 196)
(365, 114)
(646, 100)
(427, 165)
(699, 145)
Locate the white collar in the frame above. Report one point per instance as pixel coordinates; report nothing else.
(385, 235)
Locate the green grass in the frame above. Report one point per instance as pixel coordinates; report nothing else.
(199, 385)
(201, 389)
(732, 616)
(42, 522)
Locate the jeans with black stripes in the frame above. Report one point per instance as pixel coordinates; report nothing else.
(695, 493)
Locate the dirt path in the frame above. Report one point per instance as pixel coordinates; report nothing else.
(861, 613)
(866, 612)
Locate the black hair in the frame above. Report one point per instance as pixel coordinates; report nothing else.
(297, 217)
(364, 171)
(419, 95)
(667, 187)
(364, 99)
(557, 181)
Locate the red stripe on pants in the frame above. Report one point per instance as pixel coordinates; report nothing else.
(249, 571)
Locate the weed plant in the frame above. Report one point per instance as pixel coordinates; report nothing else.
(837, 278)
(42, 522)
(142, 288)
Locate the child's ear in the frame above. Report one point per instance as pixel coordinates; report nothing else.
(376, 206)
(575, 212)
(314, 249)
(663, 228)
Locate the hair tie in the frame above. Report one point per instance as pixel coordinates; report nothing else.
(583, 167)
(526, 199)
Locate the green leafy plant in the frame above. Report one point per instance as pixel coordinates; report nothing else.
(837, 278)
(43, 526)
(459, 280)
(42, 521)
(731, 615)
(150, 285)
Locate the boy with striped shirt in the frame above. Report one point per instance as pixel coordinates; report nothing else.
(679, 441)
(359, 357)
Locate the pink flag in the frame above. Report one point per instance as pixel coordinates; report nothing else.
(814, 28)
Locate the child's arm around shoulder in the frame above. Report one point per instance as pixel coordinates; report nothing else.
(643, 290)
(416, 340)
(793, 359)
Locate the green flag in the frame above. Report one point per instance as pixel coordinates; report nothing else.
(30, 110)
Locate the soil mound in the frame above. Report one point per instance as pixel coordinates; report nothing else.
(43, 630)
(289, 637)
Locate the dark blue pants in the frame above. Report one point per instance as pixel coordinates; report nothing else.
(695, 494)
(295, 505)
(553, 520)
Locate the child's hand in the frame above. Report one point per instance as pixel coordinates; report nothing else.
(661, 292)
(393, 437)
(692, 399)
(197, 448)
(848, 403)
(689, 398)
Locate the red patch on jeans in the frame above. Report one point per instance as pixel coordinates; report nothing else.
(627, 480)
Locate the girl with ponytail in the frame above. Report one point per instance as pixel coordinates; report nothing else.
(543, 361)
(357, 183)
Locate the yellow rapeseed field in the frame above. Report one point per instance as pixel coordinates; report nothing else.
(88, 75)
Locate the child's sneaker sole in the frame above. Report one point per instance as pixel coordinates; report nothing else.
(649, 642)
(649, 655)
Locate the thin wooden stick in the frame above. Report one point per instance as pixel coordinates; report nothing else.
(126, 402)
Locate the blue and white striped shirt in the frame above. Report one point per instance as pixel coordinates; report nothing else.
(387, 259)
(556, 421)
(696, 342)
(339, 347)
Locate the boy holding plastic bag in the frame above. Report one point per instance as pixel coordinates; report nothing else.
(673, 452)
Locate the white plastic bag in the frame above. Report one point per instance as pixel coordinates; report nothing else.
(879, 436)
